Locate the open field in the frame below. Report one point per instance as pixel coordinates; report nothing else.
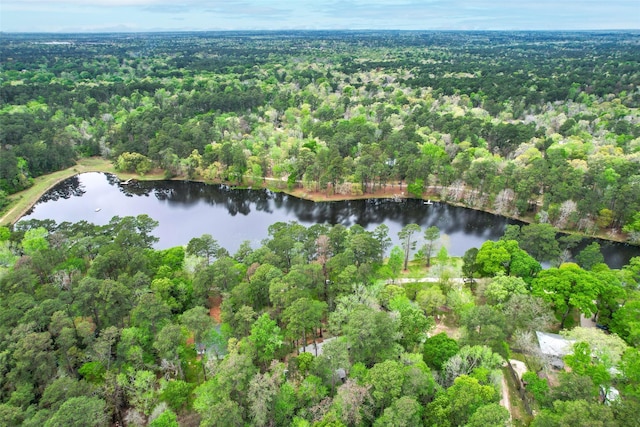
(23, 201)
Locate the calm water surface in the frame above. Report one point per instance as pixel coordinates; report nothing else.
(188, 209)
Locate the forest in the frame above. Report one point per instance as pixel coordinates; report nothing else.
(327, 325)
(313, 328)
(536, 125)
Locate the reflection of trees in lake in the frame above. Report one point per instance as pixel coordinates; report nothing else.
(64, 190)
(448, 219)
(207, 206)
(112, 179)
(186, 193)
(135, 189)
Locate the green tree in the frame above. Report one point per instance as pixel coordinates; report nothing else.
(35, 241)
(438, 349)
(604, 218)
(150, 313)
(630, 367)
(431, 299)
(140, 388)
(258, 289)
(502, 287)
(263, 390)
(443, 260)
(371, 335)
(215, 407)
(567, 287)
(484, 325)
(626, 322)
(285, 241)
(431, 235)
(221, 400)
(285, 404)
(469, 266)
(167, 419)
(625, 412)
(133, 162)
(80, 412)
(381, 235)
(633, 229)
(582, 362)
(266, 339)
(168, 344)
(395, 261)
(408, 241)
(225, 274)
(414, 325)
(304, 316)
(364, 246)
(403, 412)
(177, 394)
(204, 246)
(577, 413)
(505, 256)
(460, 401)
(416, 188)
(467, 360)
(539, 241)
(538, 387)
(388, 293)
(491, 415)
(198, 321)
(527, 313)
(386, 380)
(61, 390)
(33, 359)
(590, 256)
(572, 386)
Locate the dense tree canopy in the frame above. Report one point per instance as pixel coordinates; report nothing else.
(522, 124)
(98, 327)
(84, 332)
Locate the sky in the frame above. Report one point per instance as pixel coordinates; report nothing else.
(195, 15)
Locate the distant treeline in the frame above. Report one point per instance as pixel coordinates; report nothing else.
(521, 123)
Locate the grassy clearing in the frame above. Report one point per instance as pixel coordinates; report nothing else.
(23, 201)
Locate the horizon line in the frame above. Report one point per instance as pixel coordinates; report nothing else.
(158, 31)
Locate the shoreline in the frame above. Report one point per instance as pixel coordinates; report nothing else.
(24, 200)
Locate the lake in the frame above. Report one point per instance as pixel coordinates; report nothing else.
(190, 209)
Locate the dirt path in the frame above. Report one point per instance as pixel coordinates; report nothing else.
(441, 326)
(504, 401)
(586, 322)
(214, 311)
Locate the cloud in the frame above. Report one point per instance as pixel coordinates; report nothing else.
(41, 15)
(243, 10)
(167, 8)
(93, 3)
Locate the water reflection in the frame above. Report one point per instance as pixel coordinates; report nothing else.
(64, 190)
(189, 209)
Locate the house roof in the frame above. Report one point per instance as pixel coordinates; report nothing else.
(553, 344)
